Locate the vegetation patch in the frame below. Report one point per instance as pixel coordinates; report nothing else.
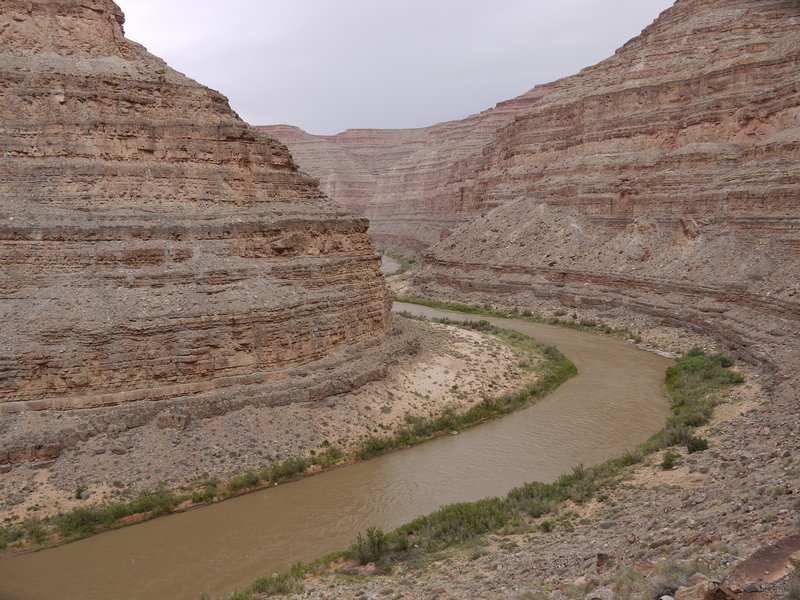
(572, 321)
(550, 366)
(692, 385)
(406, 263)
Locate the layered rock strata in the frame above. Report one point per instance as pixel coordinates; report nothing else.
(660, 187)
(662, 182)
(161, 258)
(403, 180)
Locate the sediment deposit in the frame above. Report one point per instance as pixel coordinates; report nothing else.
(162, 260)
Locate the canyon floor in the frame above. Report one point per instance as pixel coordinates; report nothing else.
(447, 366)
(648, 534)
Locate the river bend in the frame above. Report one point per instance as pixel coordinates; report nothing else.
(614, 403)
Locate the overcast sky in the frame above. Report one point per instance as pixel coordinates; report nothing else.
(330, 65)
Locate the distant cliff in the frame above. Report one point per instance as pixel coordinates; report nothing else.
(409, 182)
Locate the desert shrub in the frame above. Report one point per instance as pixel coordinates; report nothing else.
(276, 585)
(677, 434)
(328, 457)
(206, 494)
(159, 502)
(82, 521)
(697, 444)
(370, 548)
(456, 523)
(243, 481)
(669, 575)
(286, 469)
(375, 444)
(10, 534)
(669, 461)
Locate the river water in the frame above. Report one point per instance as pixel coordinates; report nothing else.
(616, 401)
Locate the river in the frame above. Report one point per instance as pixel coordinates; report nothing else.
(616, 401)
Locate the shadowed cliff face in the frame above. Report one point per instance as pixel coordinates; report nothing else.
(158, 252)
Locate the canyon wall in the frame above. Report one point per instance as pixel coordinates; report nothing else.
(408, 182)
(161, 259)
(660, 185)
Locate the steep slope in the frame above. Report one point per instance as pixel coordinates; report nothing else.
(161, 258)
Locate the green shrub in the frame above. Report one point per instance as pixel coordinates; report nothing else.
(242, 481)
(371, 548)
(206, 494)
(456, 523)
(697, 444)
(285, 470)
(678, 433)
(669, 461)
(83, 521)
(375, 444)
(277, 585)
(10, 534)
(327, 457)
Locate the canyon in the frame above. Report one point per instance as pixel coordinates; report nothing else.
(658, 186)
(168, 269)
(162, 260)
(656, 190)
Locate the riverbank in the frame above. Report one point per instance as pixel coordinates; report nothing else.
(641, 538)
(649, 533)
(449, 370)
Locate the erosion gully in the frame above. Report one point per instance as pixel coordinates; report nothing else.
(615, 402)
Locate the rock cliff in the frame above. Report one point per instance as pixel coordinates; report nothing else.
(660, 185)
(408, 182)
(161, 259)
(663, 181)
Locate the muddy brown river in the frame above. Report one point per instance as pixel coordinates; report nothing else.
(615, 402)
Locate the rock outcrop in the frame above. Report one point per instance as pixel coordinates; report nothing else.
(658, 186)
(161, 259)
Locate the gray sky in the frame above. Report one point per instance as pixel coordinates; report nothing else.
(330, 65)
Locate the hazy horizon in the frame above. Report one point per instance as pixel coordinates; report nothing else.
(328, 66)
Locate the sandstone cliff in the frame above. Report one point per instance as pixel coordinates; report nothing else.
(160, 258)
(659, 186)
(663, 181)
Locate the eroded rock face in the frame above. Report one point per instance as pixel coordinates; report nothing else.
(660, 184)
(158, 254)
(659, 187)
